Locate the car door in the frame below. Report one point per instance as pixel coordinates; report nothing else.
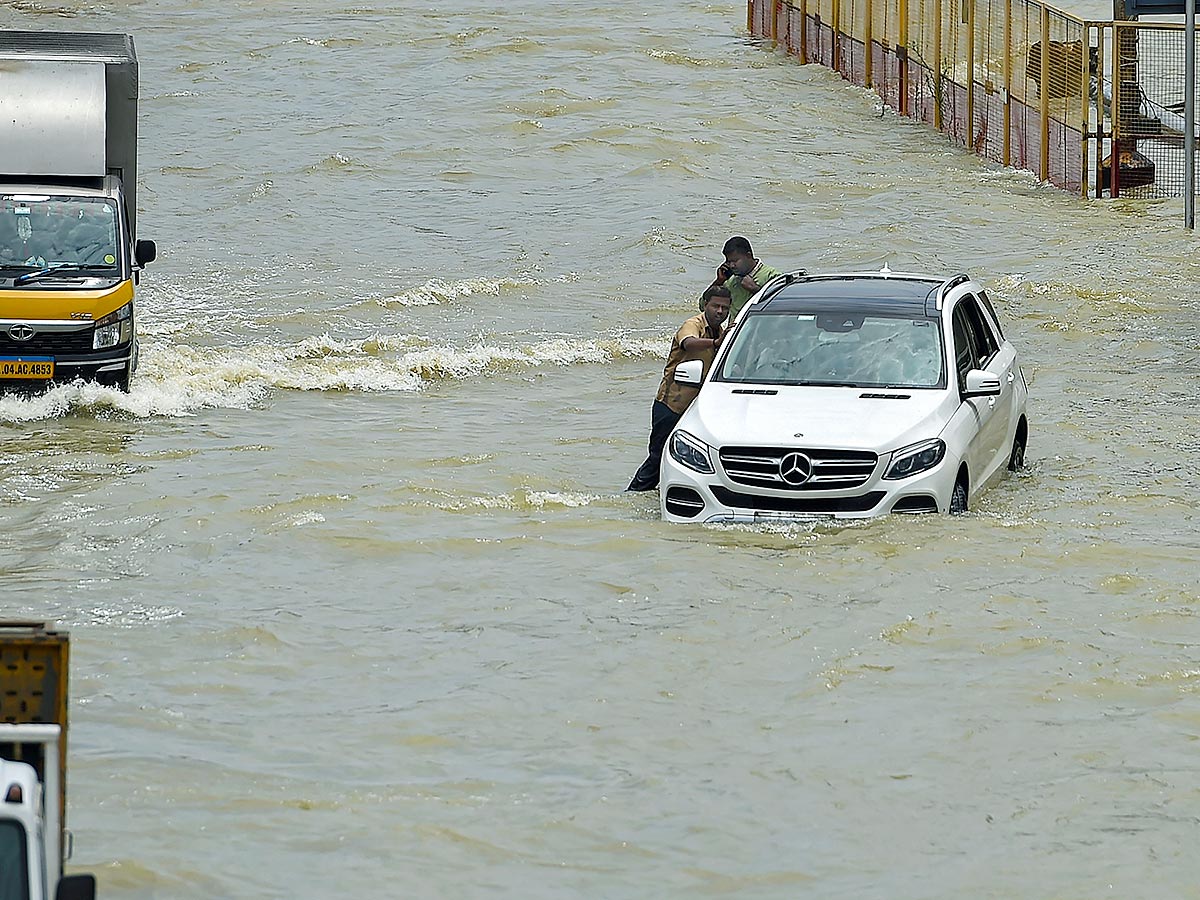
(996, 357)
(1012, 385)
(969, 431)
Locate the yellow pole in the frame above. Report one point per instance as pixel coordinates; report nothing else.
(1006, 153)
(1099, 104)
(902, 53)
(804, 32)
(1044, 99)
(970, 18)
(937, 64)
(868, 37)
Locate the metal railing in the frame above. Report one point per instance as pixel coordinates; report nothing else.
(1017, 81)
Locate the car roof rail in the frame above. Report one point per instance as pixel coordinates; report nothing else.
(938, 293)
(783, 281)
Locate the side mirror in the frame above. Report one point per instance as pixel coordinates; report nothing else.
(692, 372)
(145, 252)
(981, 384)
(76, 887)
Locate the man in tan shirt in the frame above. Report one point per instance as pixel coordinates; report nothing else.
(697, 338)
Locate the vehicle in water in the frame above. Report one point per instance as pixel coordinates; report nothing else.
(69, 258)
(849, 395)
(34, 841)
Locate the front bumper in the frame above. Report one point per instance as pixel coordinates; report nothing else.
(96, 366)
(688, 496)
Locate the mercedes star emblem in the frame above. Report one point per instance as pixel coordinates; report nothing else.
(21, 331)
(795, 469)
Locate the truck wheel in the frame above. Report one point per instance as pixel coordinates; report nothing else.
(119, 380)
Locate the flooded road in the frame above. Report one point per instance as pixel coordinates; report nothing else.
(358, 606)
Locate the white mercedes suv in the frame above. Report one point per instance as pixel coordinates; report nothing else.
(849, 395)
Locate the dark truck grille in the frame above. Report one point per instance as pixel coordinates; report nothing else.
(832, 470)
(48, 343)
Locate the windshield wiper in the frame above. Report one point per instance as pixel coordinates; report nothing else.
(48, 271)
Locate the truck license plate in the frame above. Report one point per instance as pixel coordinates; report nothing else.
(26, 367)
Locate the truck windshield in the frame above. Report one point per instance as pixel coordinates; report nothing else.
(14, 874)
(41, 231)
(836, 349)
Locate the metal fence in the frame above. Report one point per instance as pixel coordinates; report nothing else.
(1148, 115)
(1016, 81)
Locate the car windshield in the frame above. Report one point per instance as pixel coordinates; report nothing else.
(39, 231)
(836, 349)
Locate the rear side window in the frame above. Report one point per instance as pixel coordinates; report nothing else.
(979, 330)
(991, 310)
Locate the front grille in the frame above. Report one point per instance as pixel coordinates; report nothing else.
(861, 503)
(832, 470)
(48, 343)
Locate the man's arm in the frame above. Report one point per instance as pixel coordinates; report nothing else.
(765, 274)
(724, 273)
(691, 339)
(698, 343)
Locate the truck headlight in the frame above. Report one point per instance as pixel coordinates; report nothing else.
(114, 329)
(691, 452)
(915, 458)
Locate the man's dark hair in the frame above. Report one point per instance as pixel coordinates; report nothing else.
(737, 245)
(715, 290)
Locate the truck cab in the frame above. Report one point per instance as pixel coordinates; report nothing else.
(69, 258)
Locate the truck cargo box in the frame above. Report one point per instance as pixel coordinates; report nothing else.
(68, 108)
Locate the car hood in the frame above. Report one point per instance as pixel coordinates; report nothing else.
(836, 417)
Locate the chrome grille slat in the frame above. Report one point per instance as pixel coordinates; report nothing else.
(831, 469)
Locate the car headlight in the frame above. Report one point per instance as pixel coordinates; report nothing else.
(916, 458)
(115, 328)
(691, 452)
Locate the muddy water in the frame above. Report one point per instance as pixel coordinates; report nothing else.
(358, 606)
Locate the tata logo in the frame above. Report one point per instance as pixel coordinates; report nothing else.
(21, 331)
(795, 469)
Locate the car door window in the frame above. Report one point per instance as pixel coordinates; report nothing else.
(979, 331)
(965, 355)
(991, 315)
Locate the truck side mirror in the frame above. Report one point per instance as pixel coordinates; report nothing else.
(145, 252)
(76, 887)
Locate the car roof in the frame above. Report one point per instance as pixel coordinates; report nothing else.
(906, 295)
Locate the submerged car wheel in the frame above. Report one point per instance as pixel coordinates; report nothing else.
(958, 500)
(1016, 459)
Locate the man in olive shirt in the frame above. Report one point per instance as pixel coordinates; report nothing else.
(697, 338)
(742, 273)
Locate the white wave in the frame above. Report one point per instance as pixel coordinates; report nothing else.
(542, 499)
(306, 518)
(180, 379)
(436, 291)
